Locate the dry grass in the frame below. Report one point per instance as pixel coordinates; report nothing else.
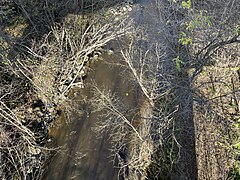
(217, 115)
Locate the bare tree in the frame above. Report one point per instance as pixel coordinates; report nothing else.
(166, 62)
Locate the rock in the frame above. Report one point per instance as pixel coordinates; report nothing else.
(129, 8)
(82, 73)
(37, 109)
(110, 52)
(64, 87)
(51, 110)
(30, 110)
(95, 56)
(34, 150)
(24, 121)
(124, 9)
(79, 84)
(70, 78)
(40, 114)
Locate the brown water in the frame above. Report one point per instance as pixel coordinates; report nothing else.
(83, 153)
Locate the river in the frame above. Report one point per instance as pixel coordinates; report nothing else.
(83, 154)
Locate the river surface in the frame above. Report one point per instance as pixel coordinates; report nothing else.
(83, 154)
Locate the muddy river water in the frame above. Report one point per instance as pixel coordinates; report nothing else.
(83, 154)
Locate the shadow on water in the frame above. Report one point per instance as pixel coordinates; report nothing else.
(85, 154)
